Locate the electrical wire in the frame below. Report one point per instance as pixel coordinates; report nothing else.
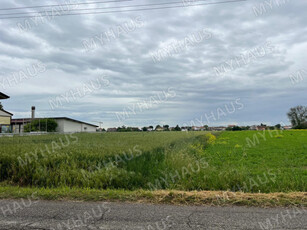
(101, 8)
(132, 10)
(67, 4)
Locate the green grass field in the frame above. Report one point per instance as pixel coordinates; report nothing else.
(272, 162)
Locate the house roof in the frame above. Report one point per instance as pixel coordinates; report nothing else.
(25, 120)
(6, 112)
(3, 96)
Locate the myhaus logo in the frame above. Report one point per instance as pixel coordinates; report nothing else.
(179, 46)
(29, 72)
(146, 104)
(45, 16)
(112, 34)
(244, 59)
(218, 114)
(51, 149)
(85, 89)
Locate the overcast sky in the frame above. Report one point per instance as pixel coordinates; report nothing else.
(211, 64)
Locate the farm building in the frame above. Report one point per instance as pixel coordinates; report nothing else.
(68, 125)
(5, 117)
(65, 125)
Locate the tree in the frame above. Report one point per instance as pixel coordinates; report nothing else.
(166, 127)
(122, 129)
(278, 126)
(46, 125)
(144, 129)
(177, 128)
(1, 107)
(298, 117)
(235, 128)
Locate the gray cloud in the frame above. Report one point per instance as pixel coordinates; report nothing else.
(263, 86)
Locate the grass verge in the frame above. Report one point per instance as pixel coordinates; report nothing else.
(212, 198)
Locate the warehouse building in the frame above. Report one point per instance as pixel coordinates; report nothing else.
(5, 117)
(65, 124)
(68, 125)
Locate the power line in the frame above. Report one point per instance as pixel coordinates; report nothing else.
(100, 8)
(132, 10)
(67, 4)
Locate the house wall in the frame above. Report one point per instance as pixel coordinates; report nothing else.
(5, 119)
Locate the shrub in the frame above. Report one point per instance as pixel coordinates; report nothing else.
(211, 138)
(46, 125)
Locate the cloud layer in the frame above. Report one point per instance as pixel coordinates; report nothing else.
(42, 60)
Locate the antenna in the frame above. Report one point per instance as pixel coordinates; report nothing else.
(99, 122)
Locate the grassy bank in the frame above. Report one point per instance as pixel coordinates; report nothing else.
(213, 198)
(235, 161)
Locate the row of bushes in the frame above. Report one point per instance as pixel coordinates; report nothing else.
(43, 125)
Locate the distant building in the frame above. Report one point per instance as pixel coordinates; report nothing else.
(111, 129)
(261, 128)
(65, 124)
(100, 130)
(134, 129)
(219, 128)
(159, 129)
(287, 127)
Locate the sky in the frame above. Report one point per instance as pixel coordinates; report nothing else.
(238, 63)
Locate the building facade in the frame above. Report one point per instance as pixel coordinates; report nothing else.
(5, 121)
(68, 125)
(5, 117)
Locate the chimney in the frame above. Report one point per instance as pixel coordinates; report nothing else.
(33, 112)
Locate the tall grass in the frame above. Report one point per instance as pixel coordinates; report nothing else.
(166, 160)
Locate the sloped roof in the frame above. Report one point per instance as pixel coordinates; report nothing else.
(3, 96)
(6, 112)
(70, 119)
